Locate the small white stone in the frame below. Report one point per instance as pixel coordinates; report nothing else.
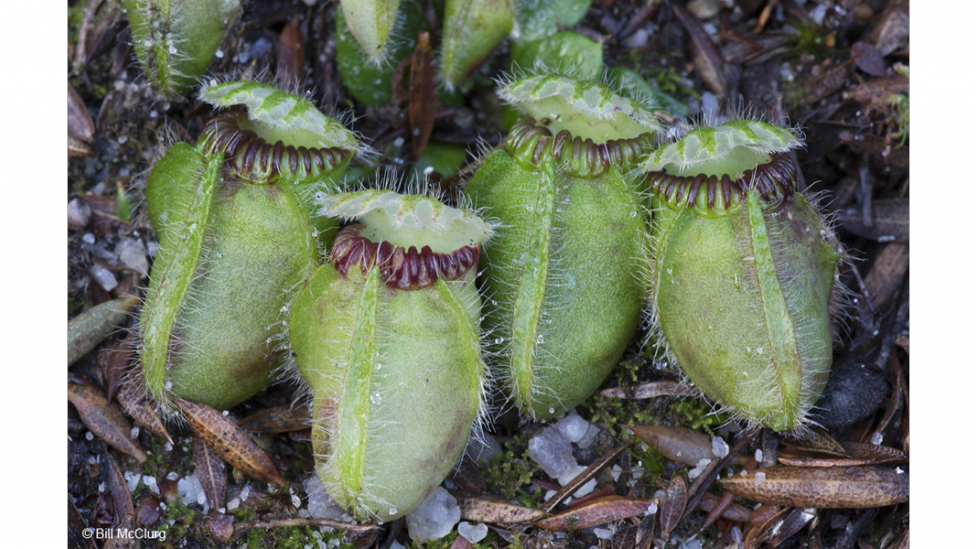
(615, 472)
(759, 479)
(586, 489)
(104, 277)
(699, 469)
(759, 455)
(876, 439)
(435, 517)
(720, 448)
(78, 215)
(589, 438)
(603, 533)
(550, 449)
(651, 509)
(573, 427)
(233, 504)
(89, 436)
(472, 533)
(569, 475)
(296, 501)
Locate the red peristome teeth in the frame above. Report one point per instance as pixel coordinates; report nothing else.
(250, 153)
(404, 269)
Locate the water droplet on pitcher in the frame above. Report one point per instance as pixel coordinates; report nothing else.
(376, 398)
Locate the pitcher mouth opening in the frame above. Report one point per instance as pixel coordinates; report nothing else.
(530, 139)
(712, 194)
(247, 146)
(404, 268)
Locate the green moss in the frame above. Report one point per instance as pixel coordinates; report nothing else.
(511, 469)
(809, 40)
(177, 520)
(76, 15)
(696, 414)
(291, 537)
(899, 103)
(492, 541)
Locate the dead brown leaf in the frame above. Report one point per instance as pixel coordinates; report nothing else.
(228, 440)
(114, 360)
(461, 543)
(104, 420)
(791, 524)
(291, 55)
(892, 30)
(877, 89)
(212, 472)
(78, 148)
(867, 58)
(119, 490)
(734, 511)
(903, 340)
(679, 443)
(889, 220)
(886, 274)
(278, 419)
(76, 528)
(880, 454)
(594, 513)
(823, 488)
(485, 508)
(91, 327)
(141, 411)
(423, 95)
(821, 441)
(81, 128)
(830, 81)
(673, 507)
(703, 51)
(897, 157)
(467, 477)
(649, 390)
